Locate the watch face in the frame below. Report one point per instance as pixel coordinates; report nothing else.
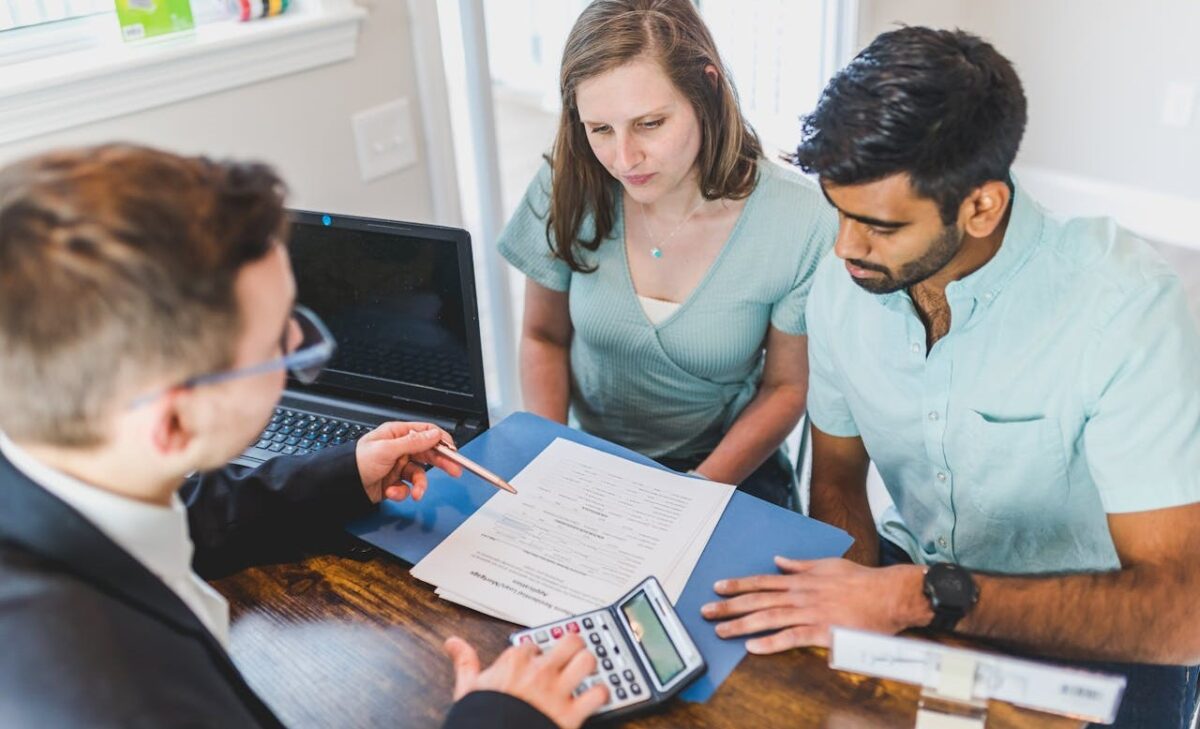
(954, 587)
(951, 586)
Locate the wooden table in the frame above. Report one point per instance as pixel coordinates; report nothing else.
(335, 642)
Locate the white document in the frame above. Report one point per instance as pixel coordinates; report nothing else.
(673, 584)
(677, 579)
(586, 528)
(468, 603)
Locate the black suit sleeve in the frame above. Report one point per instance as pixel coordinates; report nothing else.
(240, 516)
(493, 710)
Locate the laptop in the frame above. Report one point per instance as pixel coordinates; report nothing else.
(399, 299)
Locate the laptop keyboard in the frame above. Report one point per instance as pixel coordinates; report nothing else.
(292, 432)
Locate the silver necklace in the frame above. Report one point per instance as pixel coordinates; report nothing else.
(656, 248)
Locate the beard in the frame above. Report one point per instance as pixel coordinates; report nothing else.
(940, 252)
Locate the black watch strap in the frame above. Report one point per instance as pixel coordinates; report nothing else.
(945, 618)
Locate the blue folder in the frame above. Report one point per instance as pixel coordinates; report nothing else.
(748, 536)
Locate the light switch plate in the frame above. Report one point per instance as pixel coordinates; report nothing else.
(385, 140)
(1178, 103)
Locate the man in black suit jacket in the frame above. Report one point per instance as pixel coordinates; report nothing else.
(146, 320)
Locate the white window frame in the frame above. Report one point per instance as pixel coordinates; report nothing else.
(79, 71)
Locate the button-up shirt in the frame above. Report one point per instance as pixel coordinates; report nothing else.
(156, 536)
(1067, 388)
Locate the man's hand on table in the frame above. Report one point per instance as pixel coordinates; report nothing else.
(545, 681)
(799, 604)
(391, 459)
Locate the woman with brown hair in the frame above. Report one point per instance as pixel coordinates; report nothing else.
(668, 261)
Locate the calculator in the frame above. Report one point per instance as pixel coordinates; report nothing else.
(643, 652)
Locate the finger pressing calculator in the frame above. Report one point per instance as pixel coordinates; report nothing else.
(643, 652)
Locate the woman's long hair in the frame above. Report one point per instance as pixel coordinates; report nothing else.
(609, 34)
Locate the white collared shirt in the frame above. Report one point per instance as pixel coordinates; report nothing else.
(156, 536)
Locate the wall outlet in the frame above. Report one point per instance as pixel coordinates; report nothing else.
(385, 140)
(1178, 104)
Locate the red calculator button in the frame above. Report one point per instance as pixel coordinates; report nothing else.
(526, 639)
(572, 627)
(556, 632)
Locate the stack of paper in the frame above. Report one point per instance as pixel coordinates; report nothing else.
(584, 529)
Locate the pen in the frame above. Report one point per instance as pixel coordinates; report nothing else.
(448, 451)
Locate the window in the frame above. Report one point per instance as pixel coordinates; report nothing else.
(773, 51)
(68, 70)
(23, 13)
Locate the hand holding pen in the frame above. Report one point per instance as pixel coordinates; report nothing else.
(391, 460)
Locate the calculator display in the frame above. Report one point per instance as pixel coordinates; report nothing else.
(649, 631)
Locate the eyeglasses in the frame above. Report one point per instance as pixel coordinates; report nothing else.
(305, 361)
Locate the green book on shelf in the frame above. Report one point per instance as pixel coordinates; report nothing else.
(148, 18)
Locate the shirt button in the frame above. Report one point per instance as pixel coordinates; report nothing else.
(942, 542)
(933, 416)
(941, 476)
(916, 348)
(988, 296)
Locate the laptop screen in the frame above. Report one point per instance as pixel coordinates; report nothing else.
(399, 299)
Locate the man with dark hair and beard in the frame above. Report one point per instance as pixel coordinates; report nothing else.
(1028, 387)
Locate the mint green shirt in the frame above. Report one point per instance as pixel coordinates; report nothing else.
(1067, 388)
(672, 390)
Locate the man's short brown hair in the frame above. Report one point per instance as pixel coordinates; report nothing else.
(117, 265)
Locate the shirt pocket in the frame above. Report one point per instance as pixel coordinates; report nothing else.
(1011, 468)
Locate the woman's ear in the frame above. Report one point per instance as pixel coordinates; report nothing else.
(714, 77)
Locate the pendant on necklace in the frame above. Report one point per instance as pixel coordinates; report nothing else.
(656, 252)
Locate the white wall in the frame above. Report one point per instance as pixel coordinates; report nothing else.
(877, 16)
(1095, 73)
(300, 123)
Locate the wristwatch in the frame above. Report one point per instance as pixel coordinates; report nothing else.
(951, 592)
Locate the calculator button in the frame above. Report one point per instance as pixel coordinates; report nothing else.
(637, 690)
(621, 693)
(587, 623)
(572, 627)
(614, 679)
(594, 638)
(628, 674)
(541, 636)
(526, 639)
(607, 664)
(556, 632)
(601, 651)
